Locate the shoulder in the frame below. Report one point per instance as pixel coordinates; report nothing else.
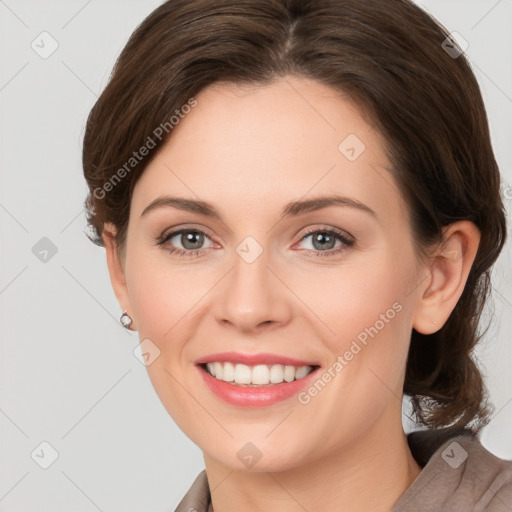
(459, 474)
(490, 477)
(197, 498)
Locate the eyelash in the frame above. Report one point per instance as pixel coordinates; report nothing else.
(347, 242)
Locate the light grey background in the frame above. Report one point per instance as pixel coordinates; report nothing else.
(68, 374)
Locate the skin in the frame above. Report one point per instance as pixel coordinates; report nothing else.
(249, 151)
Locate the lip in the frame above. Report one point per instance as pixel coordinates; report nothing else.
(253, 359)
(247, 396)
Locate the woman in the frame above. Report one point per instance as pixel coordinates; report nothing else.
(300, 207)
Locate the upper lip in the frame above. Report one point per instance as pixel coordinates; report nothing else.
(253, 359)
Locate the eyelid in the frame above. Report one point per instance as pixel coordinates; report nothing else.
(184, 227)
(343, 235)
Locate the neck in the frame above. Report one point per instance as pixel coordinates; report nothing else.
(369, 473)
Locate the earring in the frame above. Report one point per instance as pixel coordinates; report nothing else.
(434, 322)
(126, 320)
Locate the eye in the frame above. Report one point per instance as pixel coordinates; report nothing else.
(323, 241)
(191, 241)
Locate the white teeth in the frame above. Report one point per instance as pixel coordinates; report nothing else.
(242, 374)
(218, 367)
(276, 374)
(211, 368)
(228, 373)
(259, 375)
(301, 372)
(289, 373)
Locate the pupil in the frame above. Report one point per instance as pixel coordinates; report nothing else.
(320, 237)
(187, 238)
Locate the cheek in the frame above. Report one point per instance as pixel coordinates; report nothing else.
(166, 298)
(366, 315)
(150, 301)
(162, 299)
(153, 290)
(351, 299)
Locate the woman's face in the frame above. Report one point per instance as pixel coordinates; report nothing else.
(333, 286)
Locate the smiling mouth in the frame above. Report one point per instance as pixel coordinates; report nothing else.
(261, 375)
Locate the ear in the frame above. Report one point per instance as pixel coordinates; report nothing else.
(116, 269)
(448, 270)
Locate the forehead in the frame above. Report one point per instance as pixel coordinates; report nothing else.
(246, 146)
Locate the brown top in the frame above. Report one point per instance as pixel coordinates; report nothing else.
(458, 475)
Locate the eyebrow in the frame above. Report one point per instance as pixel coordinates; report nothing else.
(291, 209)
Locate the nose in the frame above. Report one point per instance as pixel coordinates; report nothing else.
(253, 297)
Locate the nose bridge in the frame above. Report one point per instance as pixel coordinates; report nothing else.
(252, 295)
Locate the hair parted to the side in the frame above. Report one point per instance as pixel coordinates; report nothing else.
(387, 56)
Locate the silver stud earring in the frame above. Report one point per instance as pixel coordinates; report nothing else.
(125, 320)
(433, 321)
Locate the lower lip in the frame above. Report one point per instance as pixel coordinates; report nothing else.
(247, 396)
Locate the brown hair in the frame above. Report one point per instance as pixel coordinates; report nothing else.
(388, 56)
